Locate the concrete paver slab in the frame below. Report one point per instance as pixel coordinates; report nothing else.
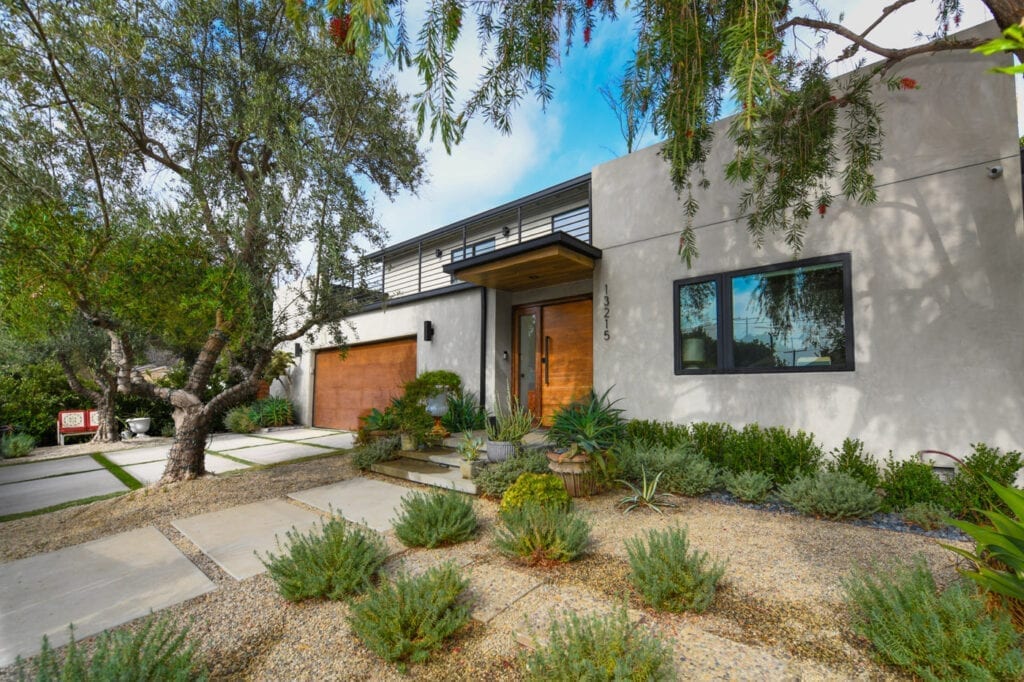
(149, 473)
(95, 586)
(277, 452)
(220, 465)
(298, 434)
(372, 503)
(226, 442)
(29, 495)
(140, 455)
(230, 536)
(13, 473)
(341, 440)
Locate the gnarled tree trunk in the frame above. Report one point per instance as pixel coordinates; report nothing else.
(186, 461)
(103, 399)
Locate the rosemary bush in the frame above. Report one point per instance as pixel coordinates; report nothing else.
(748, 486)
(495, 479)
(435, 519)
(156, 651)
(406, 620)
(542, 533)
(668, 575)
(682, 469)
(332, 561)
(926, 515)
(599, 648)
(832, 495)
(373, 452)
(935, 636)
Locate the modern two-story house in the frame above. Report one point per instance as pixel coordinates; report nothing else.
(900, 323)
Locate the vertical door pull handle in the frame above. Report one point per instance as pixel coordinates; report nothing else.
(547, 360)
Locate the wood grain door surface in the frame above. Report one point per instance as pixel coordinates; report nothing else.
(368, 377)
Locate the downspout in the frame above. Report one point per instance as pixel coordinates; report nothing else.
(483, 347)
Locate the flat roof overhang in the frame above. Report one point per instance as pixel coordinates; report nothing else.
(552, 259)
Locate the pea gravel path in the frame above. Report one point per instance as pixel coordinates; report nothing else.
(777, 616)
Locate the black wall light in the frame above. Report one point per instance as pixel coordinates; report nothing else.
(298, 350)
(439, 253)
(505, 231)
(428, 330)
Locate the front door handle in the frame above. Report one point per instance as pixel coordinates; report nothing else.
(547, 360)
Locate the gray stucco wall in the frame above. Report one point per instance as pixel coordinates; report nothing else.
(937, 274)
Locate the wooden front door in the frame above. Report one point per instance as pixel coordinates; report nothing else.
(553, 359)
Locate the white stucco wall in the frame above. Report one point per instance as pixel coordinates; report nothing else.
(938, 277)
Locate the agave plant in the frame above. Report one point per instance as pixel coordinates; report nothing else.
(592, 424)
(646, 495)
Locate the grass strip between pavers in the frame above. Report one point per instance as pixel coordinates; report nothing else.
(232, 457)
(119, 473)
(63, 505)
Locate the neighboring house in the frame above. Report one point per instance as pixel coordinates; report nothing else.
(900, 323)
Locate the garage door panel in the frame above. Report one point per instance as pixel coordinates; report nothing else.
(368, 377)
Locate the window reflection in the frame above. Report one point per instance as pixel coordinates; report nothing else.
(698, 325)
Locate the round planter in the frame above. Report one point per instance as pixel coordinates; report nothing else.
(139, 425)
(500, 450)
(574, 472)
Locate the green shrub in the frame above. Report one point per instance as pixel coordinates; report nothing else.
(773, 451)
(545, 489)
(332, 561)
(495, 479)
(936, 636)
(596, 648)
(32, 395)
(542, 533)
(908, 482)
(927, 515)
(831, 494)
(435, 519)
(273, 412)
(427, 385)
(405, 621)
(668, 575)
(241, 420)
(748, 486)
(645, 495)
(374, 452)
(16, 445)
(644, 433)
(380, 421)
(464, 413)
(970, 492)
(851, 458)
(682, 469)
(712, 440)
(155, 651)
(593, 424)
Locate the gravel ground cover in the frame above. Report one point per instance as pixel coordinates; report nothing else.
(777, 614)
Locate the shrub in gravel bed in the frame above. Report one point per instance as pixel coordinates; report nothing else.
(435, 519)
(831, 494)
(542, 533)
(332, 561)
(712, 439)
(668, 575)
(645, 433)
(851, 458)
(908, 482)
(495, 479)
(969, 492)
(748, 486)
(156, 651)
(597, 648)
(772, 450)
(682, 469)
(404, 621)
(380, 450)
(926, 515)
(936, 636)
(546, 489)
(241, 420)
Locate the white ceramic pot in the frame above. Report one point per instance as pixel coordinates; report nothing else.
(139, 425)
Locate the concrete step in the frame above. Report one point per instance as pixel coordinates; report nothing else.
(534, 440)
(426, 472)
(445, 458)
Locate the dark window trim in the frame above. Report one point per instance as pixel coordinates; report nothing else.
(723, 308)
(472, 248)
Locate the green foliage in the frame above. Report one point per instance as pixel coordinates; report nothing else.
(14, 445)
(592, 424)
(510, 424)
(32, 395)
(645, 495)
(158, 411)
(851, 458)
(271, 412)
(935, 636)
(908, 482)
(380, 450)
(405, 621)
(380, 421)
(280, 363)
(428, 384)
(668, 575)
(495, 479)
(542, 489)
(154, 651)
(831, 494)
(682, 470)
(469, 447)
(969, 492)
(774, 451)
(241, 420)
(435, 519)
(333, 561)
(597, 648)
(712, 440)
(542, 534)
(1012, 40)
(464, 413)
(926, 515)
(749, 486)
(644, 433)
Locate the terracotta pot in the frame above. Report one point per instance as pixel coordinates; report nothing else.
(575, 473)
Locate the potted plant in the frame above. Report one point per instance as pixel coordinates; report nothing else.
(506, 431)
(469, 450)
(581, 433)
(139, 424)
(413, 421)
(380, 424)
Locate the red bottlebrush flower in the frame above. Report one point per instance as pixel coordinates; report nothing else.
(586, 35)
(590, 4)
(957, 18)
(339, 28)
(689, 133)
(769, 56)
(822, 208)
(908, 84)
(833, 98)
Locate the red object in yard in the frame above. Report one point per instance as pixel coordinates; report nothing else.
(77, 423)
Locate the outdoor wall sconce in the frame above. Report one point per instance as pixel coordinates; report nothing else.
(298, 350)
(439, 253)
(505, 231)
(428, 330)
(504, 355)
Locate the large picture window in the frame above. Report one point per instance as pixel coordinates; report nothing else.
(784, 318)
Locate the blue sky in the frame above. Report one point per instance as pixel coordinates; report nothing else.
(578, 130)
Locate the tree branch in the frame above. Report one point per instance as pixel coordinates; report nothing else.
(891, 54)
(74, 382)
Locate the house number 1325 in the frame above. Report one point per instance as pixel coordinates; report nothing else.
(607, 313)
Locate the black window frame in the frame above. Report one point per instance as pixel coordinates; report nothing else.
(723, 312)
(472, 249)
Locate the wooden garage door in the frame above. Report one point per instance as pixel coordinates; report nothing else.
(368, 377)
